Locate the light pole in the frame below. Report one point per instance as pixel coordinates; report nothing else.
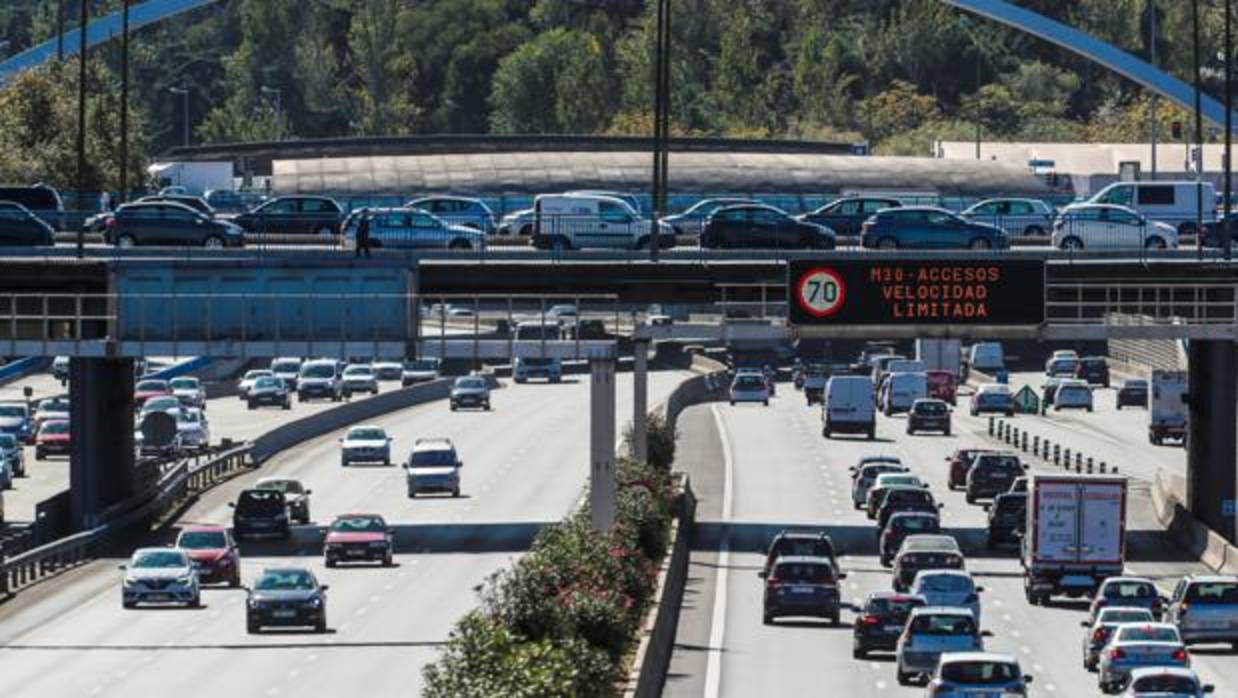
(661, 122)
(278, 95)
(81, 120)
(124, 102)
(1226, 233)
(1199, 131)
(184, 94)
(1152, 121)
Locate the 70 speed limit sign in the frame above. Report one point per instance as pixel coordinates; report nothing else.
(820, 292)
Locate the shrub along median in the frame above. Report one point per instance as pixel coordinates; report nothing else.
(563, 619)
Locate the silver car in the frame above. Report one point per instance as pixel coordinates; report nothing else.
(1098, 631)
(365, 444)
(247, 381)
(865, 474)
(433, 466)
(12, 452)
(1205, 608)
(932, 631)
(360, 378)
(193, 431)
(1029, 217)
(949, 588)
(160, 575)
(1134, 645)
(979, 674)
(1166, 682)
(189, 391)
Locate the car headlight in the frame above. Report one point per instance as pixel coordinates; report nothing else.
(315, 602)
(253, 603)
(185, 579)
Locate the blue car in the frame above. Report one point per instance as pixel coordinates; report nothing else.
(407, 228)
(458, 210)
(929, 228)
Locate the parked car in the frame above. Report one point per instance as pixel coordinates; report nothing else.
(296, 496)
(928, 228)
(749, 387)
(1135, 645)
(1094, 370)
(433, 466)
(413, 229)
(360, 378)
(978, 674)
(1174, 204)
(420, 371)
(991, 474)
(365, 444)
(286, 597)
(902, 525)
(20, 227)
(260, 512)
(882, 617)
(930, 633)
(268, 390)
(1100, 626)
(922, 551)
(762, 227)
(1106, 227)
(992, 397)
(54, 437)
(1159, 682)
(458, 210)
(1205, 608)
(692, 220)
(1133, 393)
(169, 224)
(160, 575)
(1007, 518)
(359, 538)
(1030, 217)
(470, 391)
(801, 585)
(928, 415)
(293, 215)
(845, 216)
(213, 552)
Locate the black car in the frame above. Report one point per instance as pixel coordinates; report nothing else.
(20, 227)
(801, 585)
(1007, 518)
(928, 228)
(992, 474)
(1094, 370)
(287, 597)
(1133, 393)
(929, 415)
(762, 227)
(296, 496)
(294, 215)
(905, 499)
(901, 525)
(269, 390)
(197, 203)
(259, 512)
(845, 216)
(168, 224)
(41, 200)
(801, 543)
(881, 621)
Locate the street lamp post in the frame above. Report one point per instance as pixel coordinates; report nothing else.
(277, 94)
(184, 94)
(1199, 131)
(81, 120)
(1226, 233)
(124, 102)
(661, 122)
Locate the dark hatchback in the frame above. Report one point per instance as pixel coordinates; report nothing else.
(929, 415)
(20, 227)
(960, 464)
(992, 474)
(800, 543)
(800, 585)
(901, 525)
(910, 562)
(762, 227)
(881, 621)
(1007, 518)
(290, 597)
(907, 499)
(1133, 393)
(846, 216)
(169, 224)
(928, 228)
(1094, 370)
(260, 513)
(294, 215)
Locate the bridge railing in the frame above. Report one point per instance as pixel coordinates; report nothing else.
(1164, 303)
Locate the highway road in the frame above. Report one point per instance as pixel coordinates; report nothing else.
(526, 462)
(774, 470)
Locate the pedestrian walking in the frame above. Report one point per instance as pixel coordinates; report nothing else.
(363, 234)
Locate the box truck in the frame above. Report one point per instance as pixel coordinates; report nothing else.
(1075, 536)
(940, 354)
(1167, 413)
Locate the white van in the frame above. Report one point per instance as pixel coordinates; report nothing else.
(901, 390)
(1173, 203)
(848, 407)
(987, 357)
(574, 221)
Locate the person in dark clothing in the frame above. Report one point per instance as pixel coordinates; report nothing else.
(363, 234)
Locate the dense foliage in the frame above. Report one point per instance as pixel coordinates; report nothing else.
(897, 73)
(561, 620)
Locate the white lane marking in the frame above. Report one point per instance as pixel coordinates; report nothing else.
(717, 628)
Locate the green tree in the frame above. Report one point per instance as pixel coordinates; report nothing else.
(384, 103)
(897, 109)
(822, 86)
(996, 108)
(558, 82)
(750, 82)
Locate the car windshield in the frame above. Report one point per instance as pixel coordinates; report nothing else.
(54, 405)
(421, 365)
(470, 383)
(1213, 592)
(286, 366)
(146, 386)
(254, 375)
(915, 523)
(432, 457)
(263, 502)
(896, 608)
(898, 480)
(943, 624)
(804, 547)
(980, 673)
(159, 558)
(1146, 633)
(1166, 684)
(319, 371)
(537, 362)
(999, 464)
(367, 434)
(202, 540)
(1114, 616)
(359, 524)
(931, 408)
(946, 583)
(749, 382)
(184, 384)
(268, 382)
(1129, 590)
(359, 371)
(908, 496)
(1135, 385)
(187, 416)
(12, 411)
(285, 580)
(55, 427)
(806, 573)
(160, 403)
(285, 486)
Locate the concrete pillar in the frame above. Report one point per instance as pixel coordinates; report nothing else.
(101, 471)
(1212, 427)
(602, 484)
(640, 401)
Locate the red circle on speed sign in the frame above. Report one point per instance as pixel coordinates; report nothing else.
(821, 292)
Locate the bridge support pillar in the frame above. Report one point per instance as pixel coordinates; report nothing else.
(101, 468)
(640, 401)
(602, 479)
(1212, 471)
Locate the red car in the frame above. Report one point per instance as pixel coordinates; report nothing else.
(149, 388)
(213, 551)
(54, 437)
(942, 385)
(960, 465)
(358, 538)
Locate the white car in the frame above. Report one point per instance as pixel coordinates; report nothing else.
(360, 378)
(160, 575)
(288, 368)
(192, 428)
(1135, 645)
(1097, 633)
(419, 371)
(248, 380)
(189, 391)
(977, 674)
(1073, 395)
(1109, 227)
(51, 408)
(388, 370)
(1166, 682)
(365, 444)
(750, 387)
(163, 403)
(953, 588)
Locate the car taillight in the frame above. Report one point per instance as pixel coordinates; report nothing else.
(1117, 653)
(870, 620)
(773, 582)
(112, 223)
(1156, 605)
(1098, 636)
(1180, 655)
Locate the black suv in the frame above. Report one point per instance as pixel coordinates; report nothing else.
(881, 621)
(1094, 370)
(802, 585)
(260, 513)
(1007, 518)
(992, 474)
(802, 543)
(294, 215)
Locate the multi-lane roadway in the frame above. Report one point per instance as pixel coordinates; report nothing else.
(759, 469)
(525, 463)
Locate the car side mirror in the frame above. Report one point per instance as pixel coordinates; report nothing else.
(986, 633)
(1209, 688)
(389, 439)
(390, 531)
(231, 505)
(1027, 678)
(941, 505)
(324, 587)
(979, 590)
(842, 575)
(1084, 624)
(459, 464)
(309, 492)
(986, 507)
(121, 567)
(762, 574)
(340, 440)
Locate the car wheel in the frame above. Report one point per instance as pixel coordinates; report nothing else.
(980, 244)
(196, 602)
(858, 652)
(887, 244)
(287, 404)
(459, 245)
(235, 581)
(329, 561)
(1119, 407)
(1155, 243)
(325, 231)
(835, 620)
(1033, 231)
(412, 494)
(904, 679)
(321, 626)
(1072, 243)
(767, 619)
(526, 230)
(487, 406)
(213, 242)
(38, 454)
(126, 241)
(249, 405)
(559, 244)
(128, 604)
(387, 560)
(252, 628)
(453, 407)
(970, 499)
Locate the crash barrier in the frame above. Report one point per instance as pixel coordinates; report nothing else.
(181, 368)
(1044, 449)
(1168, 493)
(20, 368)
